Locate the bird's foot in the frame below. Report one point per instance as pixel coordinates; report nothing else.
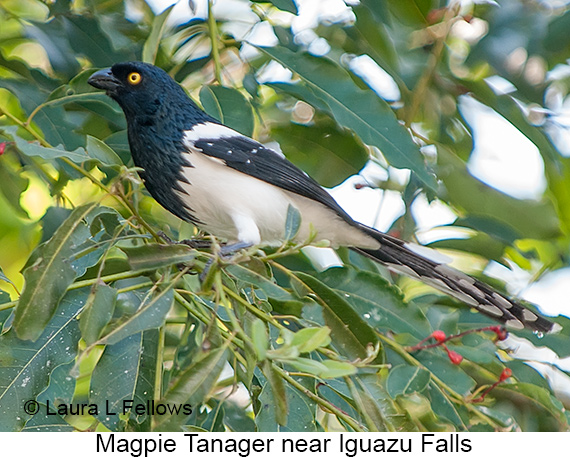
(194, 244)
(226, 253)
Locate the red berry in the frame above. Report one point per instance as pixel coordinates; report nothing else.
(2, 148)
(501, 332)
(506, 374)
(439, 336)
(454, 357)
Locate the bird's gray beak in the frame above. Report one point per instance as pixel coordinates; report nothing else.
(104, 79)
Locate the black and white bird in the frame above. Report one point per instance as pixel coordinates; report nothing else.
(235, 188)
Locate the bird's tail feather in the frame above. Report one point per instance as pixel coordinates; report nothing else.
(397, 257)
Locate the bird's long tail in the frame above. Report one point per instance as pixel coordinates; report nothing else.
(397, 257)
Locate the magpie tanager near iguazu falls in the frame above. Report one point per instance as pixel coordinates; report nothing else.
(235, 188)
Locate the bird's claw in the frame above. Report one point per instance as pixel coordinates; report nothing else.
(194, 244)
(225, 254)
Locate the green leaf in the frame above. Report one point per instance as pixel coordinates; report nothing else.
(302, 411)
(102, 153)
(86, 37)
(381, 412)
(152, 43)
(292, 223)
(405, 380)
(377, 301)
(14, 184)
(236, 418)
(153, 256)
(557, 39)
(266, 285)
(259, 339)
(27, 9)
(350, 334)
(78, 155)
(411, 12)
(311, 146)
(194, 385)
(25, 366)
(62, 384)
(304, 365)
(374, 38)
(98, 312)
(441, 367)
(444, 407)
(309, 339)
(336, 369)
(338, 394)
(362, 111)
(48, 277)
(279, 400)
(539, 396)
(150, 314)
(45, 423)
(125, 375)
(228, 106)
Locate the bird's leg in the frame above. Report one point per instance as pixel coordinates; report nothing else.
(194, 244)
(226, 253)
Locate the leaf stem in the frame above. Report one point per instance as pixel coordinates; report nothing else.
(422, 85)
(213, 32)
(159, 364)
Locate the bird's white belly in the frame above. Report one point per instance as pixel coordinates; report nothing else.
(238, 207)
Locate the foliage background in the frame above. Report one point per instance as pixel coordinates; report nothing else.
(101, 309)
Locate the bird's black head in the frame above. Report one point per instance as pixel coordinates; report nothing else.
(143, 90)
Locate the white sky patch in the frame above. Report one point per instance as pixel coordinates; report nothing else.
(319, 47)
(373, 207)
(431, 214)
(311, 12)
(502, 157)
(431, 220)
(500, 85)
(444, 233)
(428, 253)
(322, 258)
(181, 12)
(515, 278)
(551, 292)
(237, 16)
(376, 77)
(560, 71)
(274, 72)
(557, 124)
(261, 34)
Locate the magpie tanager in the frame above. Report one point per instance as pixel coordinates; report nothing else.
(235, 188)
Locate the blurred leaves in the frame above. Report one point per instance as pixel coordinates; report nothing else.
(110, 313)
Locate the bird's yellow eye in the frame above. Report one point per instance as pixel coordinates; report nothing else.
(134, 78)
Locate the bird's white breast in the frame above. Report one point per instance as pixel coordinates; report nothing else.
(233, 205)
